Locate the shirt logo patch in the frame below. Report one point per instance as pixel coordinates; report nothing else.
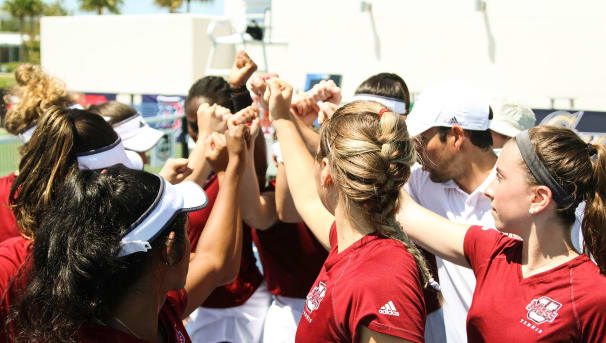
(314, 298)
(543, 309)
(389, 309)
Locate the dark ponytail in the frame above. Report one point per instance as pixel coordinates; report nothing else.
(580, 169)
(77, 276)
(594, 218)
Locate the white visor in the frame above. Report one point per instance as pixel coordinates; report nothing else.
(108, 156)
(27, 134)
(136, 134)
(392, 104)
(171, 200)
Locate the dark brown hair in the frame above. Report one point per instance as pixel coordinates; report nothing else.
(580, 169)
(388, 85)
(115, 111)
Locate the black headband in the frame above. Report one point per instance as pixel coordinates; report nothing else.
(538, 170)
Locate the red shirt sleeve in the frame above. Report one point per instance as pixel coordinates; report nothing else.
(178, 300)
(481, 244)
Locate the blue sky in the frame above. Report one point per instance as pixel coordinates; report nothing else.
(147, 6)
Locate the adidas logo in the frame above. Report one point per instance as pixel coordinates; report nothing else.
(389, 309)
(453, 121)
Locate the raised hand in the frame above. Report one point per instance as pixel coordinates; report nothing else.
(257, 85)
(212, 119)
(326, 91)
(278, 95)
(216, 151)
(175, 170)
(238, 139)
(250, 117)
(327, 109)
(241, 70)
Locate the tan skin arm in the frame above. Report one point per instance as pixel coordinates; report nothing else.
(285, 205)
(258, 209)
(298, 162)
(440, 236)
(216, 260)
(369, 336)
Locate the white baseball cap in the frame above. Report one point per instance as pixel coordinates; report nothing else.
(136, 134)
(510, 117)
(449, 103)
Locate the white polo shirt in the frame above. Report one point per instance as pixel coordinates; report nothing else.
(449, 200)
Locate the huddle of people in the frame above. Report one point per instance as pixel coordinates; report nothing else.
(386, 224)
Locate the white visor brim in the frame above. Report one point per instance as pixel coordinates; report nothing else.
(171, 200)
(392, 104)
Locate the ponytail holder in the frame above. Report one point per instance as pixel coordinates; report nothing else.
(383, 110)
(591, 149)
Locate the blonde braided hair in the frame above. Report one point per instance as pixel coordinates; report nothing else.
(370, 156)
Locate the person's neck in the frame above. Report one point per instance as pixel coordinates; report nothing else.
(349, 228)
(137, 314)
(547, 246)
(477, 164)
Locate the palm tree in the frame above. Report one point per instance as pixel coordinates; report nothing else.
(113, 6)
(19, 9)
(171, 4)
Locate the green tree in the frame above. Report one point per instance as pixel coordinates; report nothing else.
(113, 6)
(55, 9)
(172, 5)
(20, 10)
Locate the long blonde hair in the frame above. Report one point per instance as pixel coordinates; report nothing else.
(370, 156)
(36, 92)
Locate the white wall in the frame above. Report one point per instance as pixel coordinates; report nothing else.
(157, 54)
(531, 49)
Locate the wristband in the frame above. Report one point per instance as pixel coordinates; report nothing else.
(240, 89)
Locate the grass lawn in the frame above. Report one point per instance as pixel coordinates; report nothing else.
(7, 80)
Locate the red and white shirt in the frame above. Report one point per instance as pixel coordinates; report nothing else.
(373, 283)
(564, 304)
(170, 318)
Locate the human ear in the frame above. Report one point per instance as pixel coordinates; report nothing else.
(541, 198)
(325, 177)
(459, 136)
(169, 253)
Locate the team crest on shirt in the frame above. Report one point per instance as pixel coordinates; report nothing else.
(314, 298)
(543, 309)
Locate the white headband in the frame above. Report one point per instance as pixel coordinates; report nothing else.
(27, 134)
(395, 105)
(171, 200)
(106, 157)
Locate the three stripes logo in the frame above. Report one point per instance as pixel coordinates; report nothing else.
(389, 309)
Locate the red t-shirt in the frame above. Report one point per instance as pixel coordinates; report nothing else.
(564, 304)
(373, 283)
(8, 223)
(249, 278)
(170, 317)
(291, 257)
(13, 273)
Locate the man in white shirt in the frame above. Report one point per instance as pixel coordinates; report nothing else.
(450, 124)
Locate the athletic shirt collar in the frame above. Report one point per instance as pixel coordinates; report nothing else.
(334, 256)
